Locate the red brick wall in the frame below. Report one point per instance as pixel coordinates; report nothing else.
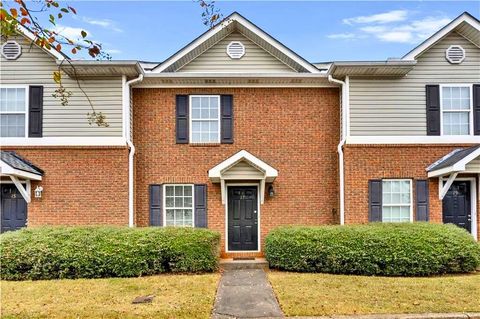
(81, 186)
(365, 162)
(293, 130)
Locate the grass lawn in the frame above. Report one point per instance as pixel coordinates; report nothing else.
(176, 296)
(323, 294)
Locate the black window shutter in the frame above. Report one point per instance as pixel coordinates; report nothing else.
(375, 200)
(226, 125)
(476, 109)
(35, 111)
(156, 201)
(432, 94)
(200, 193)
(182, 119)
(422, 200)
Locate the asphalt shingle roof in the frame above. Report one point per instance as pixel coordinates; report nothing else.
(452, 158)
(16, 161)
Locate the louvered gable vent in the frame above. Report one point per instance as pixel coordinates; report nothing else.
(455, 54)
(235, 49)
(11, 50)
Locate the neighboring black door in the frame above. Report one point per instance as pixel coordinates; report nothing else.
(14, 208)
(242, 218)
(457, 205)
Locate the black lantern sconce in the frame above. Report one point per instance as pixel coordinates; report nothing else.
(271, 190)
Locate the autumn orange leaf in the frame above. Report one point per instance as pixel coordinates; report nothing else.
(14, 12)
(25, 21)
(58, 47)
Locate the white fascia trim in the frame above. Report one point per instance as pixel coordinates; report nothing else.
(236, 74)
(216, 172)
(7, 170)
(191, 46)
(275, 43)
(440, 34)
(414, 139)
(239, 19)
(64, 141)
(459, 166)
(54, 53)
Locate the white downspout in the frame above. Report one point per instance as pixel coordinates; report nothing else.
(344, 118)
(128, 136)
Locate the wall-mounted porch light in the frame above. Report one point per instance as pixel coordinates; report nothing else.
(271, 191)
(38, 192)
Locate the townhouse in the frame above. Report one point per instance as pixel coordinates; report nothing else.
(238, 133)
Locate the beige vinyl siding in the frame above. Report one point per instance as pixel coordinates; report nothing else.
(388, 106)
(36, 67)
(243, 171)
(216, 59)
(473, 166)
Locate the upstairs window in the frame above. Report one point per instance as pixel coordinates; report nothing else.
(205, 119)
(13, 112)
(456, 106)
(397, 200)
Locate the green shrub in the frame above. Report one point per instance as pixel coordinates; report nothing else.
(402, 249)
(95, 252)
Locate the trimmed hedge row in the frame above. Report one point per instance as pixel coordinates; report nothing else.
(402, 249)
(96, 252)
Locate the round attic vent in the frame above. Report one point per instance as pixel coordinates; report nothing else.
(11, 50)
(235, 50)
(455, 54)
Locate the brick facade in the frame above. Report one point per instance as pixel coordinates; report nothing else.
(295, 130)
(365, 162)
(82, 186)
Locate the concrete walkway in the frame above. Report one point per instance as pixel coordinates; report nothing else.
(245, 293)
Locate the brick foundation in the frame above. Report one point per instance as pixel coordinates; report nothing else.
(293, 130)
(365, 162)
(82, 186)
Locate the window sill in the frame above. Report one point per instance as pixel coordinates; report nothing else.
(204, 144)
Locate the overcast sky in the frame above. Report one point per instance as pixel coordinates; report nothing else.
(318, 31)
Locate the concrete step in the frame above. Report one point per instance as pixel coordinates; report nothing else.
(254, 263)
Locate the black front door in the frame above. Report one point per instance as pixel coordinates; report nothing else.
(457, 205)
(242, 218)
(14, 208)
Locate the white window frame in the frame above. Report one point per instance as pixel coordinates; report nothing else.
(190, 119)
(399, 205)
(470, 110)
(164, 201)
(27, 103)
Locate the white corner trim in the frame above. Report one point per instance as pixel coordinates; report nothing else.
(64, 141)
(414, 139)
(440, 34)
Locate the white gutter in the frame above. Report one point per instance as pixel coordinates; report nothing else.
(344, 119)
(128, 137)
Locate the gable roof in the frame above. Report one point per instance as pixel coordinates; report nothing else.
(216, 172)
(454, 161)
(235, 22)
(465, 24)
(31, 36)
(15, 161)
